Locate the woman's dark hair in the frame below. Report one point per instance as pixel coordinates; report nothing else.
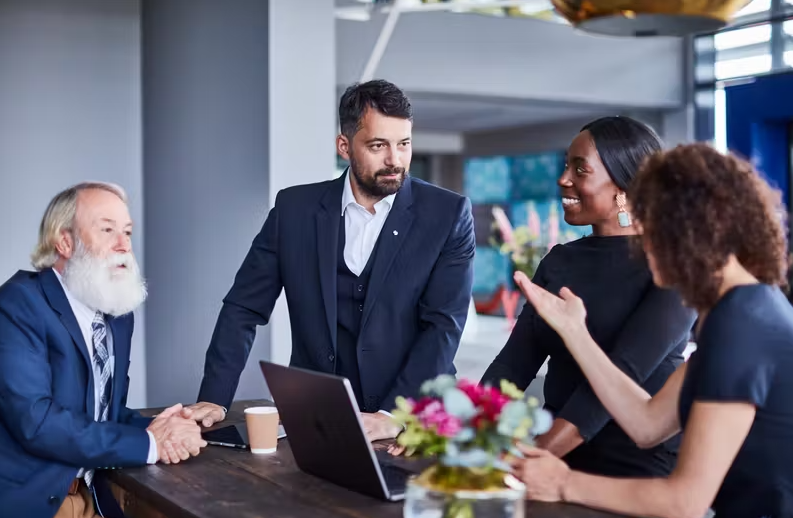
(378, 94)
(623, 144)
(696, 207)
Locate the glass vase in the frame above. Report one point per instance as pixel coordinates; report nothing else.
(426, 498)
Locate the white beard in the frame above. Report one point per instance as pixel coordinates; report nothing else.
(100, 285)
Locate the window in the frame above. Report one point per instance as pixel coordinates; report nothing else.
(743, 66)
(742, 37)
(751, 45)
(787, 31)
(720, 119)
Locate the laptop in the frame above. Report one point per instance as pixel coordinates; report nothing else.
(321, 416)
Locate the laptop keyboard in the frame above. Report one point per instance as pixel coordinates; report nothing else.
(395, 478)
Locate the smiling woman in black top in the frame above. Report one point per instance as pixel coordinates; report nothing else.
(712, 230)
(642, 329)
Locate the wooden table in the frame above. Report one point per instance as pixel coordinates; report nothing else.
(230, 483)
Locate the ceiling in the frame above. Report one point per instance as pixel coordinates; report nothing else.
(485, 108)
(468, 113)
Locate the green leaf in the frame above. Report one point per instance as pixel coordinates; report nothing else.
(403, 404)
(458, 405)
(473, 458)
(543, 420)
(439, 385)
(511, 390)
(464, 435)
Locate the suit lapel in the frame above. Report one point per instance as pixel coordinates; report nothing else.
(328, 248)
(121, 350)
(394, 233)
(58, 301)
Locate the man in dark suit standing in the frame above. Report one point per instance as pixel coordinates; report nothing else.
(377, 268)
(65, 333)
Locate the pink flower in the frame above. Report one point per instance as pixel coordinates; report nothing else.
(421, 404)
(534, 222)
(553, 228)
(504, 225)
(488, 400)
(449, 427)
(434, 416)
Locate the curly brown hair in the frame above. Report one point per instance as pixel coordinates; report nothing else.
(696, 207)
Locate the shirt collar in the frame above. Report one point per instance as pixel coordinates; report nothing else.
(348, 198)
(77, 305)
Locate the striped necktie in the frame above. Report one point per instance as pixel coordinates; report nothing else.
(101, 366)
(102, 378)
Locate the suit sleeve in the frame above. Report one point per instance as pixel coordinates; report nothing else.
(129, 416)
(443, 310)
(125, 414)
(248, 304)
(523, 354)
(656, 327)
(37, 422)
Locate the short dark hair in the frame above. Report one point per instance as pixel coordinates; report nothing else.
(623, 144)
(377, 94)
(696, 207)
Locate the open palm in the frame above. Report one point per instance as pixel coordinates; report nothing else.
(565, 313)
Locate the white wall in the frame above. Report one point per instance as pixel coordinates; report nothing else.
(69, 111)
(233, 112)
(205, 173)
(545, 137)
(302, 121)
(515, 58)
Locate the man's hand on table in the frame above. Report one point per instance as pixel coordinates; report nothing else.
(205, 413)
(379, 426)
(177, 437)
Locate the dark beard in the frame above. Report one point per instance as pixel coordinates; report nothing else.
(377, 186)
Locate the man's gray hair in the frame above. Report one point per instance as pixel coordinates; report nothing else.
(59, 216)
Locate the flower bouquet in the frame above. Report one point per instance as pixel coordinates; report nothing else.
(470, 430)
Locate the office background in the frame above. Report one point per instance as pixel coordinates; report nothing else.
(203, 110)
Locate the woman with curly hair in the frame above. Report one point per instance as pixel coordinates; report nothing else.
(712, 230)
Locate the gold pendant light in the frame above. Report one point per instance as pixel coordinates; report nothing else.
(648, 17)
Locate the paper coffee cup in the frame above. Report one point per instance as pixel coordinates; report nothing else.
(262, 423)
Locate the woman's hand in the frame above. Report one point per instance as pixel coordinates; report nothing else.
(543, 474)
(564, 313)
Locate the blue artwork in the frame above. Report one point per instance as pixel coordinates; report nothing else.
(491, 269)
(519, 216)
(534, 177)
(516, 184)
(487, 180)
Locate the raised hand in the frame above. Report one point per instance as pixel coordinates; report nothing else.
(565, 313)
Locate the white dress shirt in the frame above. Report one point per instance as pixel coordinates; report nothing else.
(85, 319)
(361, 230)
(361, 227)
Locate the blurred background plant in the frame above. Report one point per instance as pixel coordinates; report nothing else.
(527, 244)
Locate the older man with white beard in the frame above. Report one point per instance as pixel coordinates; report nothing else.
(65, 333)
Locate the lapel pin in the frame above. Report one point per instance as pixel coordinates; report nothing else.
(396, 233)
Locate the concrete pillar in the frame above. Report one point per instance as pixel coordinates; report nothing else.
(238, 102)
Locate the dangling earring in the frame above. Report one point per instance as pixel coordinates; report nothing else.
(623, 216)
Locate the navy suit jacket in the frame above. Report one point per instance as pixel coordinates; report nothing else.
(47, 427)
(416, 303)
